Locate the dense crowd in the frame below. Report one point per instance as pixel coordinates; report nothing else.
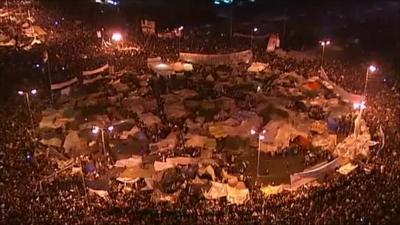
(368, 195)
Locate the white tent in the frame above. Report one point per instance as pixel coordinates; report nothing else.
(257, 67)
(133, 161)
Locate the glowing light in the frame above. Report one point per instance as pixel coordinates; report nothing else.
(34, 92)
(261, 137)
(255, 29)
(110, 128)
(252, 132)
(20, 92)
(180, 28)
(359, 105)
(95, 130)
(117, 37)
(325, 43)
(372, 68)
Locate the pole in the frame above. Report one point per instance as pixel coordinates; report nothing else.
(50, 81)
(28, 103)
(231, 23)
(366, 82)
(323, 54)
(179, 44)
(102, 141)
(258, 157)
(83, 179)
(251, 39)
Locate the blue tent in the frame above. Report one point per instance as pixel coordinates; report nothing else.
(332, 124)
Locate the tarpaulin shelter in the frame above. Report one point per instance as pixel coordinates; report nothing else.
(149, 119)
(257, 67)
(166, 144)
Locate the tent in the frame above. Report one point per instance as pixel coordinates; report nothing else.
(56, 142)
(72, 142)
(278, 135)
(166, 144)
(182, 67)
(197, 141)
(133, 161)
(257, 67)
(149, 119)
(175, 111)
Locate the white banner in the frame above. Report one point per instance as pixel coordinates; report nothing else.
(217, 59)
(301, 178)
(89, 81)
(64, 84)
(95, 71)
(343, 94)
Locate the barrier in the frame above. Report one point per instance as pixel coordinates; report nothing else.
(95, 71)
(64, 84)
(217, 59)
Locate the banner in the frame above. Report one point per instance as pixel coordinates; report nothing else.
(89, 81)
(95, 71)
(148, 27)
(273, 42)
(299, 179)
(64, 84)
(343, 94)
(217, 59)
(250, 36)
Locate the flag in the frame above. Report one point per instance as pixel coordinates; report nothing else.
(148, 26)
(381, 135)
(45, 56)
(273, 42)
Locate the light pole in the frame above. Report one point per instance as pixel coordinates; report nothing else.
(255, 29)
(260, 138)
(324, 44)
(370, 69)
(28, 103)
(96, 130)
(180, 29)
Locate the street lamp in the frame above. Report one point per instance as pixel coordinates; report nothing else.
(370, 69)
(260, 138)
(255, 29)
(180, 29)
(28, 103)
(324, 44)
(96, 130)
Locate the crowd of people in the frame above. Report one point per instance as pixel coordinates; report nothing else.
(369, 195)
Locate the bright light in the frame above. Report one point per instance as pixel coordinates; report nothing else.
(255, 29)
(261, 137)
(253, 132)
(324, 43)
(95, 130)
(372, 68)
(20, 92)
(116, 37)
(34, 92)
(110, 128)
(180, 28)
(359, 105)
